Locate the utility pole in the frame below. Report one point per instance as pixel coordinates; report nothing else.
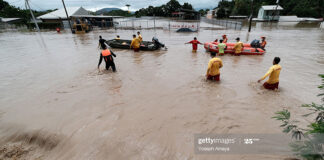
(31, 12)
(67, 15)
(250, 23)
(276, 11)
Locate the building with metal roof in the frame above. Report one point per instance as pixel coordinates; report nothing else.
(269, 13)
(60, 15)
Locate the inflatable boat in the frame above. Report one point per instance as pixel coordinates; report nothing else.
(247, 50)
(145, 45)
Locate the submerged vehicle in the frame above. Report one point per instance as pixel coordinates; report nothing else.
(247, 49)
(81, 28)
(145, 45)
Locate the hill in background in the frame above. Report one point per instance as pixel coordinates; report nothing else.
(106, 10)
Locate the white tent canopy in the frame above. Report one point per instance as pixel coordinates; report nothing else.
(60, 14)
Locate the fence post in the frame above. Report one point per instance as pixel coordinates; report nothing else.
(154, 21)
(169, 25)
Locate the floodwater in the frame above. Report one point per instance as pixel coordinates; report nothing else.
(55, 103)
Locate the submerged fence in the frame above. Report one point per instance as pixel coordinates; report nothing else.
(157, 23)
(237, 25)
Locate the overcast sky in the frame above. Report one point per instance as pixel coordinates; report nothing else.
(98, 4)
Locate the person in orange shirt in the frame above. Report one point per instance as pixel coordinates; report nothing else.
(135, 44)
(106, 55)
(225, 38)
(213, 67)
(263, 43)
(273, 73)
(238, 47)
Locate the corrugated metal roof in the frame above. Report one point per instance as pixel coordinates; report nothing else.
(97, 16)
(8, 19)
(60, 14)
(272, 7)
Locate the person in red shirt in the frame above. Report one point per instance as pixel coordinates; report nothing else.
(194, 43)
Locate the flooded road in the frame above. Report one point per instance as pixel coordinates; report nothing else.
(55, 104)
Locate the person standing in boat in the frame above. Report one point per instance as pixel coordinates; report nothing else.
(102, 43)
(107, 54)
(213, 68)
(140, 36)
(238, 47)
(225, 38)
(194, 43)
(273, 73)
(117, 37)
(221, 47)
(263, 43)
(135, 44)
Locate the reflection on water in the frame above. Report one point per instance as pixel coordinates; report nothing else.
(155, 101)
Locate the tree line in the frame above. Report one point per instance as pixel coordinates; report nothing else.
(164, 10)
(9, 11)
(301, 8)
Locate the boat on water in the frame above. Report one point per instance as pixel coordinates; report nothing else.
(247, 49)
(145, 45)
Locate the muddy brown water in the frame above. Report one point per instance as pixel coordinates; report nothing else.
(55, 104)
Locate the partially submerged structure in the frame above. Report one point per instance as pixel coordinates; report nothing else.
(212, 14)
(186, 14)
(59, 16)
(269, 13)
(77, 15)
(10, 23)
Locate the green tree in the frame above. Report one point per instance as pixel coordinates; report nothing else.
(311, 146)
(8, 11)
(301, 8)
(187, 6)
(172, 6)
(164, 10)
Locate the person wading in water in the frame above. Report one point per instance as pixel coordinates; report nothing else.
(273, 73)
(102, 42)
(194, 43)
(213, 68)
(135, 44)
(107, 54)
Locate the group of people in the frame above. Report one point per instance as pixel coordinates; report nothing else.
(214, 65)
(238, 47)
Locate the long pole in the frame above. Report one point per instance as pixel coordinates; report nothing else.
(275, 13)
(250, 23)
(67, 15)
(31, 12)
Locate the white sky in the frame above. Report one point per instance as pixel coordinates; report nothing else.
(98, 4)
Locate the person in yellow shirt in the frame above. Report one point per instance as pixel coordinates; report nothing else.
(213, 67)
(117, 38)
(273, 73)
(238, 47)
(140, 36)
(135, 44)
